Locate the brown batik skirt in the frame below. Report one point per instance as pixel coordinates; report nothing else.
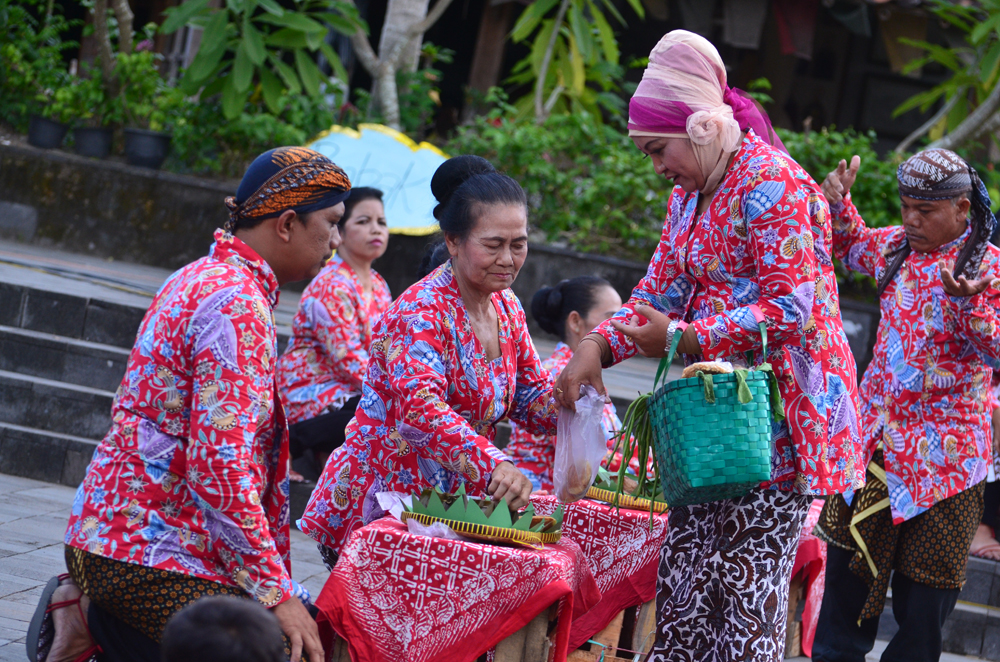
(931, 549)
(144, 598)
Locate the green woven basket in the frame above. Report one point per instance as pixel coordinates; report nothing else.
(712, 433)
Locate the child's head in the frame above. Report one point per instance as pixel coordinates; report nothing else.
(223, 629)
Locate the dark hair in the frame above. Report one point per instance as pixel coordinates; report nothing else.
(223, 629)
(463, 183)
(552, 305)
(435, 255)
(358, 194)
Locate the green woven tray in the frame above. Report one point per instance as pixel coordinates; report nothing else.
(712, 433)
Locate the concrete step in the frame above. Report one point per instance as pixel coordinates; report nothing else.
(53, 406)
(44, 455)
(58, 358)
(70, 315)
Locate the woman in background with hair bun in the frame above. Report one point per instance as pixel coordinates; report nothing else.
(570, 310)
(320, 374)
(450, 359)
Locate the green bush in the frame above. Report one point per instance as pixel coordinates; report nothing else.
(204, 142)
(31, 61)
(588, 187)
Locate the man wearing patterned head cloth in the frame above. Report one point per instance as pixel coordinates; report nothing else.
(924, 407)
(187, 495)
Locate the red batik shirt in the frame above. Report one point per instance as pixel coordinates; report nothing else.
(925, 395)
(193, 475)
(765, 239)
(534, 454)
(430, 405)
(326, 358)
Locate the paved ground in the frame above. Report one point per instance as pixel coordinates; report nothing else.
(32, 522)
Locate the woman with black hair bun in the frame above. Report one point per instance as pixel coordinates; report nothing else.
(320, 374)
(569, 310)
(450, 359)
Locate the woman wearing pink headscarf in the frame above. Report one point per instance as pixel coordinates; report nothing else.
(747, 236)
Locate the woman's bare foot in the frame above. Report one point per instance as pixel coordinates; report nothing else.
(984, 544)
(72, 638)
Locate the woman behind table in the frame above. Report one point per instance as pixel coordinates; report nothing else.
(747, 234)
(449, 359)
(187, 495)
(320, 374)
(570, 310)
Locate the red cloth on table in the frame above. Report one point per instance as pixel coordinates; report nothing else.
(810, 559)
(396, 596)
(623, 551)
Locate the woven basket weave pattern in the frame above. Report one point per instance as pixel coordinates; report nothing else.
(709, 452)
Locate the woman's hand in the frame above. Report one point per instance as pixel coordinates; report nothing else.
(583, 368)
(839, 182)
(509, 483)
(651, 338)
(300, 628)
(996, 431)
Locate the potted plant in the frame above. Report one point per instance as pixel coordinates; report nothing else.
(42, 82)
(94, 113)
(149, 107)
(32, 69)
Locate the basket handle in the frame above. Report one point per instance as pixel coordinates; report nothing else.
(661, 371)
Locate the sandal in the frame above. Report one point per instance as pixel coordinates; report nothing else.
(982, 552)
(42, 631)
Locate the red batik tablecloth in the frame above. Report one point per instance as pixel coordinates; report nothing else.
(395, 596)
(810, 559)
(623, 551)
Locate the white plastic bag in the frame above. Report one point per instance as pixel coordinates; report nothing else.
(581, 444)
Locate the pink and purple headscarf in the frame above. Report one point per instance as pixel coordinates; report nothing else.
(683, 94)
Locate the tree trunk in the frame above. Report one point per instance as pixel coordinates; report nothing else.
(106, 54)
(971, 126)
(124, 15)
(400, 16)
(388, 95)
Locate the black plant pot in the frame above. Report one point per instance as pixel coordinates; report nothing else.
(93, 142)
(45, 133)
(146, 148)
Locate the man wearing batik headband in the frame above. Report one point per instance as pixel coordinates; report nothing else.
(187, 495)
(924, 410)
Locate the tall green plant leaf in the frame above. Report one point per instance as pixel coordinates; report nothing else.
(242, 69)
(308, 72)
(530, 18)
(178, 17)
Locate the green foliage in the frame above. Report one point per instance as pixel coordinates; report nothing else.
(31, 60)
(145, 100)
(588, 186)
(259, 48)
(584, 71)
(975, 68)
(758, 89)
(875, 192)
(87, 101)
(205, 142)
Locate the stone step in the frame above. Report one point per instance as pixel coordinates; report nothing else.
(62, 359)
(54, 406)
(44, 455)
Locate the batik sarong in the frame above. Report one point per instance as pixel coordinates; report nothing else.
(725, 567)
(931, 548)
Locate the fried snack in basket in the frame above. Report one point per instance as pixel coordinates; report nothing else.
(707, 367)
